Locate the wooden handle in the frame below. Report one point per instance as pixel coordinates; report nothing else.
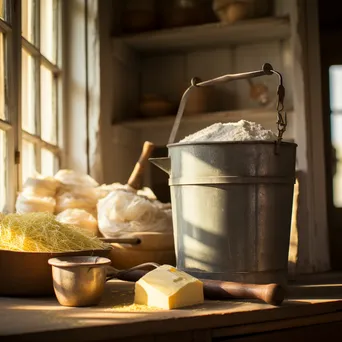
(133, 275)
(136, 178)
(129, 241)
(272, 294)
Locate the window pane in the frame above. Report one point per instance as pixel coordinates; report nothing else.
(335, 73)
(28, 160)
(28, 15)
(3, 154)
(2, 9)
(48, 106)
(335, 78)
(28, 86)
(2, 77)
(49, 163)
(336, 138)
(48, 29)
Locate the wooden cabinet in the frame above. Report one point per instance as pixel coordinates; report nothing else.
(163, 61)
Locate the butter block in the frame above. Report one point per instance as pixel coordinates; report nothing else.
(168, 288)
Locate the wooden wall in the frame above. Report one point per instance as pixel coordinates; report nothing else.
(126, 75)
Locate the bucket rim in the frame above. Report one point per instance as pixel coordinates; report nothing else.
(248, 142)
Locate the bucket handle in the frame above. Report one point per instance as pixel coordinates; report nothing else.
(267, 69)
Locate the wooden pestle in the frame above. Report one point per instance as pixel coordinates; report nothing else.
(136, 178)
(272, 294)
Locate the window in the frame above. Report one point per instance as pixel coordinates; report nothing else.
(30, 53)
(335, 75)
(6, 128)
(40, 77)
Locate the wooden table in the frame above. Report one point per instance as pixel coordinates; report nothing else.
(312, 311)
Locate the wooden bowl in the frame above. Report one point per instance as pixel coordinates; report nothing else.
(138, 21)
(198, 101)
(154, 247)
(154, 105)
(231, 11)
(234, 12)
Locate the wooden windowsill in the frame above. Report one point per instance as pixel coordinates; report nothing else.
(45, 320)
(208, 35)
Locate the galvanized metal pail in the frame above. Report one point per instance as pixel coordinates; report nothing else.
(231, 207)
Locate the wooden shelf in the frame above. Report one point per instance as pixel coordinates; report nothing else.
(208, 35)
(256, 115)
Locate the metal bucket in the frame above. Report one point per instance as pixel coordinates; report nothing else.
(231, 207)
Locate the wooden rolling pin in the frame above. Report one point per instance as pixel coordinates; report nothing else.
(272, 294)
(136, 178)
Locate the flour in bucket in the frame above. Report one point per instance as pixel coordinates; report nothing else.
(232, 131)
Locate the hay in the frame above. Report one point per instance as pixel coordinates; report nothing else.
(41, 232)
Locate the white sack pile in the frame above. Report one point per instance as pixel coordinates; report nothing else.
(122, 212)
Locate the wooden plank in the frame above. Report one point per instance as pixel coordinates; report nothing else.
(119, 88)
(185, 336)
(4, 125)
(45, 318)
(125, 91)
(5, 27)
(41, 143)
(318, 278)
(209, 35)
(278, 325)
(262, 116)
(125, 149)
(202, 336)
(320, 332)
(313, 246)
(132, 339)
(159, 130)
(318, 235)
(34, 51)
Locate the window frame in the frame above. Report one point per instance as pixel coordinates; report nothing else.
(34, 50)
(9, 27)
(15, 41)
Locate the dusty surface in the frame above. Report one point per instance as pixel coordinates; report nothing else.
(116, 316)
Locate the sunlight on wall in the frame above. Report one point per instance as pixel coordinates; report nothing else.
(335, 74)
(3, 182)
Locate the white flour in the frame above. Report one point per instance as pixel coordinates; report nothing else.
(233, 131)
